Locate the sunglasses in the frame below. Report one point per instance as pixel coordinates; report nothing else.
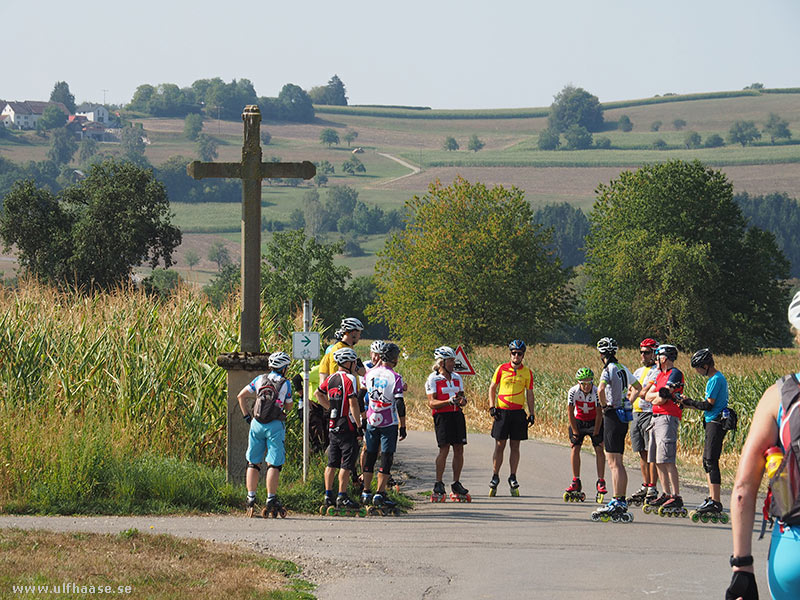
(645, 351)
(517, 353)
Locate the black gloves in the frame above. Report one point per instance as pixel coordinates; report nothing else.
(403, 433)
(743, 585)
(531, 419)
(494, 413)
(247, 418)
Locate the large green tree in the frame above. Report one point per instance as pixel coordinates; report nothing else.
(777, 127)
(295, 267)
(575, 106)
(62, 146)
(62, 94)
(743, 132)
(570, 228)
(94, 232)
(470, 267)
(670, 256)
(52, 117)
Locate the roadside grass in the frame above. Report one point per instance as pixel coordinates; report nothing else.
(138, 565)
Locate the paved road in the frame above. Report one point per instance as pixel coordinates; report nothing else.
(534, 546)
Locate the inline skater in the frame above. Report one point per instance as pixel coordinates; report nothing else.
(663, 445)
(445, 391)
(350, 331)
(386, 418)
(267, 434)
(612, 393)
(773, 421)
(338, 393)
(585, 419)
(510, 391)
(716, 401)
(642, 417)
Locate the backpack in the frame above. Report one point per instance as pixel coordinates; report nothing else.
(729, 419)
(787, 510)
(266, 408)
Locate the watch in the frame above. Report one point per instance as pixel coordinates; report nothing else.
(741, 561)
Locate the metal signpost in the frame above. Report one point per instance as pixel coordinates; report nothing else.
(306, 346)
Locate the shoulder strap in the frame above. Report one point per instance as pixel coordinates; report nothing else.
(790, 391)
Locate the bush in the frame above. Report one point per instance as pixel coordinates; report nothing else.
(714, 141)
(602, 142)
(659, 144)
(549, 139)
(655, 125)
(624, 123)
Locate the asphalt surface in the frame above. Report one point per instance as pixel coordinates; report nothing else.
(533, 546)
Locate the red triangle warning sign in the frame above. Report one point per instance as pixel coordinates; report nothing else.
(463, 366)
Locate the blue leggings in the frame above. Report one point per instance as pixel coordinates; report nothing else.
(783, 567)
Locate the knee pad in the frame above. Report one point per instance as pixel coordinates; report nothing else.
(369, 462)
(253, 466)
(277, 467)
(712, 468)
(386, 463)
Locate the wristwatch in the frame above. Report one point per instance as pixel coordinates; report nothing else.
(741, 561)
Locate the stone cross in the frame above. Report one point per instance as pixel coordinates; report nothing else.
(251, 171)
(242, 367)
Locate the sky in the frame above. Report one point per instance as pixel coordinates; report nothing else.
(436, 53)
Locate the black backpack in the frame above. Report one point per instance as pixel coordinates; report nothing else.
(266, 408)
(789, 430)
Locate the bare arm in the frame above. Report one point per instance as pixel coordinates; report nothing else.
(763, 434)
(434, 404)
(531, 402)
(601, 394)
(355, 410)
(243, 397)
(492, 394)
(322, 399)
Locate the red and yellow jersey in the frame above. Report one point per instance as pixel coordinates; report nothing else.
(512, 385)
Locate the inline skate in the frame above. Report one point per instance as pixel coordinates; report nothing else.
(495, 481)
(328, 506)
(458, 493)
(638, 497)
(366, 498)
(573, 493)
(652, 505)
(601, 491)
(347, 507)
(273, 509)
(709, 510)
(513, 485)
(252, 507)
(382, 505)
(673, 507)
(439, 494)
(615, 511)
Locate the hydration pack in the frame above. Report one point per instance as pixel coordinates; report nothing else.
(786, 507)
(266, 407)
(729, 419)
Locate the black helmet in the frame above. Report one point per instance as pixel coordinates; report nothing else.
(607, 345)
(391, 352)
(517, 345)
(702, 357)
(668, 350)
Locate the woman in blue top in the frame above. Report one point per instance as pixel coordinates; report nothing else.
(783, 568)
(716, 401)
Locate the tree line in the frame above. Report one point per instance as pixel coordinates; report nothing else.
(218, 99)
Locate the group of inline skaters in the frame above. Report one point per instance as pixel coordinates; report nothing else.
(648, 402)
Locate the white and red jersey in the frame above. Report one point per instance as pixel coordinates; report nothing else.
(443, 388)
(585, 405)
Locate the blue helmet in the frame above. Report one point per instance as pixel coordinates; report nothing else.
(517, 345)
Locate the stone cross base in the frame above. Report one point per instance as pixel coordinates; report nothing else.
(242, 368)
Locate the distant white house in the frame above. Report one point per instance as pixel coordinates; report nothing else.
(94, 112)
(25, 115)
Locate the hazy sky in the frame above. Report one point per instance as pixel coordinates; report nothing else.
(438, 53)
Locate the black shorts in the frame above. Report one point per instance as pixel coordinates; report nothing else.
(511, 424)
(615, 432)
(342, 451)
(586, 428)
(451, 428)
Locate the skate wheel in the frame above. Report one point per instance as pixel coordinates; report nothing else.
(362, 512)
(565, 497)
(492, 492)
(723, 518)
(469, 498)
(331, 511)
(583, 497)
(322, 510)
(372, 511)
(627, 518)
(599, 498)
(615, 518)
(515, 492)
(283, 513)
(595, 517)
(249, 513)
(646, 509)
(662, 512)
(684, 513)
(694, 516)
(605, 518)
(713, 518)
(703, 518)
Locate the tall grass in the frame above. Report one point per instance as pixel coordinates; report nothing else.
(114, 402)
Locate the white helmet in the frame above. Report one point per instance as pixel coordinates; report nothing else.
(377, 347)
(444, 352)
(607, 345)
(278, 360)
(351, 324)
(794, 311)
(345, 355)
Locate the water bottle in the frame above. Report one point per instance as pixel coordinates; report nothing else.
(334, 413)
(725, 414)
(781, 492)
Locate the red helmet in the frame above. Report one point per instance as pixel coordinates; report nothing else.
(648, 343)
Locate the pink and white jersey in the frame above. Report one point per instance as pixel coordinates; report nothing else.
(444, 389)
(384, 389)
(585, 405)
